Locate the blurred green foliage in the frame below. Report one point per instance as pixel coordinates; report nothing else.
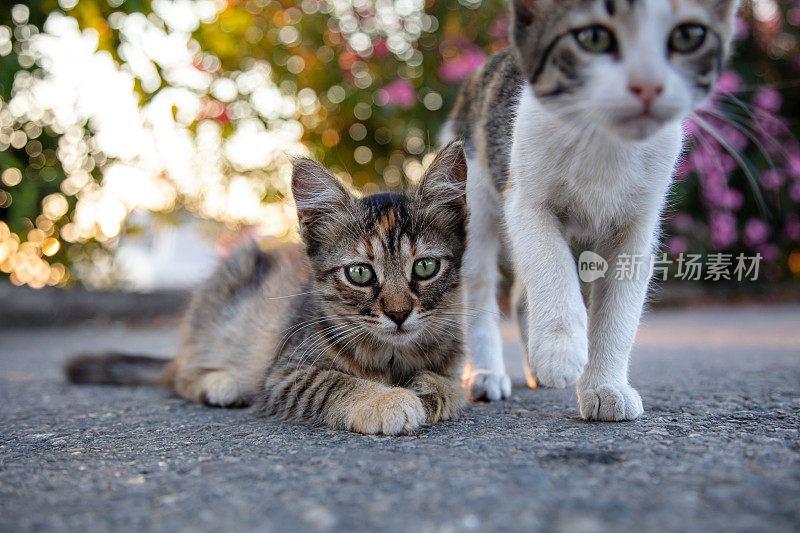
(371, 96)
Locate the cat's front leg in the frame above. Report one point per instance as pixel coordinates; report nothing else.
(442, 396)
(556, 315)
(485, 376)
(341, 401)
(616, 307)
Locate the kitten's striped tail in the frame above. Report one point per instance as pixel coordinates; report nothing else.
(116, 369)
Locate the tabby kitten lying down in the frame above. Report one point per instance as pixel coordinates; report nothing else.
(360, 330)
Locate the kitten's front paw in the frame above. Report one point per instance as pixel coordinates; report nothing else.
(484, 385)
(396, 412)
(443, 397)
(221, 389)
(610, 403)
(558, 361)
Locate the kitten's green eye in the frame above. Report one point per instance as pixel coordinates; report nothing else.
(596, 39)
(687, 38)
(426, 268)
(360, 274)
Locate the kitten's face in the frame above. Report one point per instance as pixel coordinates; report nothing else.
(389, 263)
(625, 66)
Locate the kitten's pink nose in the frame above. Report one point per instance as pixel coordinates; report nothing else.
(398, 317)
(647, 92)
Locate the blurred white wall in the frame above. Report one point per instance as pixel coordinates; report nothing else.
(166, 256)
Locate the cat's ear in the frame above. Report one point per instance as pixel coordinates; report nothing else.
(318, 194)
(444, 185)
(725, 11)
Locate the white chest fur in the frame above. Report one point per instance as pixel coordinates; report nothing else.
(589, 178)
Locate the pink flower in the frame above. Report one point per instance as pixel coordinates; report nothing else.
(215, 110)
(741, 30)
(729, 82)
(734, 199)
(793, 16)
(677, 245)
(794, 164)
(772, 180)
(768, 99)
(794, 191)
(756, 232)
(735, 138)
(729, 164)
(792, 228)
(682, 221)
(399, 93)
(769, 124)
(703, 161)
(723, 230)
(380, 49)
(770, 252)
(717, 193)
(458, 69)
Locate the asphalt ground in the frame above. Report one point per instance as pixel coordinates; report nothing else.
(717, 448)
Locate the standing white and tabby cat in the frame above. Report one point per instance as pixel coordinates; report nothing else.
(572, 136)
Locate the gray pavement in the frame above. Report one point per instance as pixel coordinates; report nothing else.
(718, 446)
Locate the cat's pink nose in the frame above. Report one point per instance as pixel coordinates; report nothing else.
(646, 92)
(398, 317)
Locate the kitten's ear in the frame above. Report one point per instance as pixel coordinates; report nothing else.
(444, 185)
(316, 192)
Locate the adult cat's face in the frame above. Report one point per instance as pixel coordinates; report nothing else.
(388, 263)
(625, 66)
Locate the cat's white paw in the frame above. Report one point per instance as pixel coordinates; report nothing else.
(395, 412)
(558, 361)
(610, 403)
(221, 389)
(484, 385)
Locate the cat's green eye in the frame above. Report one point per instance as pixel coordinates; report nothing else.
(360, 274)
(687, 38)
(596, 39)
(426, 268)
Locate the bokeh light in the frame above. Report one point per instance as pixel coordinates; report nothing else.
(112, 117)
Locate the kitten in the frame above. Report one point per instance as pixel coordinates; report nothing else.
(572, 135)
(360, 330)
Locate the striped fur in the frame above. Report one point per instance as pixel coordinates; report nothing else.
(354, 368)
(284, 329)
